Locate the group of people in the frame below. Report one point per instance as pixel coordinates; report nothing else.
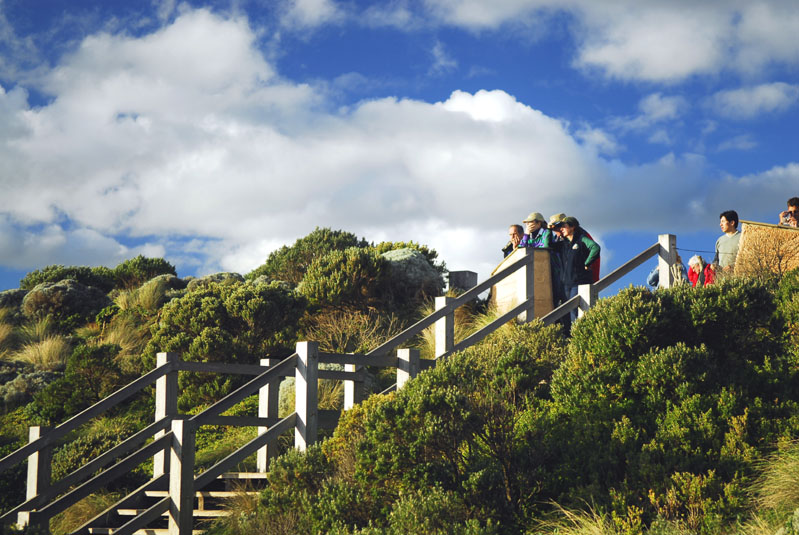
(574, 254)
(699, 272)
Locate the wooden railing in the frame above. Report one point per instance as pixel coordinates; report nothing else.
(171, 437)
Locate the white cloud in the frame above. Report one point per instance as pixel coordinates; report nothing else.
(652, 41)
(749, 102)
(654, 109)
(738, 143)
(303, 14)
(443, 63)
(188, 133)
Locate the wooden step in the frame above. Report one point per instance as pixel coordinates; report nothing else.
(243, 475)
(147, 531)
(203, 493)
(201, 513)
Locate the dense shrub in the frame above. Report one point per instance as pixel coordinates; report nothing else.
(99, 277)
(225, 323)
(430, 255)
(354, 278)
(136, 271)
(677, 392)
(290, 263)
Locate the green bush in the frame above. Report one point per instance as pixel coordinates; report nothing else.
(676, 392)
(99, 277)
(91, 374)
(354, 277)
(290, 263)
(225, 323)
(136, 271)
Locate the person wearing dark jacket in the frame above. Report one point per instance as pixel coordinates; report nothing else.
(578, 253)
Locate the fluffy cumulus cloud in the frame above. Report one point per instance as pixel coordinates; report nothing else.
(748, 102)
(188, 139)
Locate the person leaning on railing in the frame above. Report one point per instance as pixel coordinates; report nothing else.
(790, 217)
(515, 233)
(537, 235)
(578, 254)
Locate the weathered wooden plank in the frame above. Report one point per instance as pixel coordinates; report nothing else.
(277, 371)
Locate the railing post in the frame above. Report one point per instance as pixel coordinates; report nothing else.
(268, 402)
(667, 257)
(588, 297)
(353, 389)
(408, 366)
(181, 478)
(39, 471)
(306, 394)
(444, 328)
(526, 287)
(166, 405)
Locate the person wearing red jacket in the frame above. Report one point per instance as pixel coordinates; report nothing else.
(699, 272)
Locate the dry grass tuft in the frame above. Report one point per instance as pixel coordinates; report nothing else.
(36, 331)
(777, 489)
(7, 337)
(577, 523)
(49, 353)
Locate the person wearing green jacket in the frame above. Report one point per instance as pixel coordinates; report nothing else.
(578, 253)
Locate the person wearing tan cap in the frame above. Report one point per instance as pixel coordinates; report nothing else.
(538, 235)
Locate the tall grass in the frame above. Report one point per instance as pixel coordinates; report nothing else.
(130, 337)
(148, 297)
(775, 492)
(37, 330)
(467, 322)
(49, 353)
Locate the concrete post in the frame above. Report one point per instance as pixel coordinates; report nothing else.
(408, 366)
(268, 402)
(525, 289)
(353, 389)
(181, 478)
(667, 257)
(588, 297)
(306, 394)
(166, 405)
(444, 328)
(38, 480)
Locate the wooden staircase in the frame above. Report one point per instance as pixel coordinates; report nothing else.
(209, 504)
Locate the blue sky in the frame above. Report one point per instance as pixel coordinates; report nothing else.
(211, 133)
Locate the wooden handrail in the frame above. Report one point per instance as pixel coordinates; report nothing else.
(121, 468)
(277, 371)
(82, 417)
(85, 471)
(625, 268)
